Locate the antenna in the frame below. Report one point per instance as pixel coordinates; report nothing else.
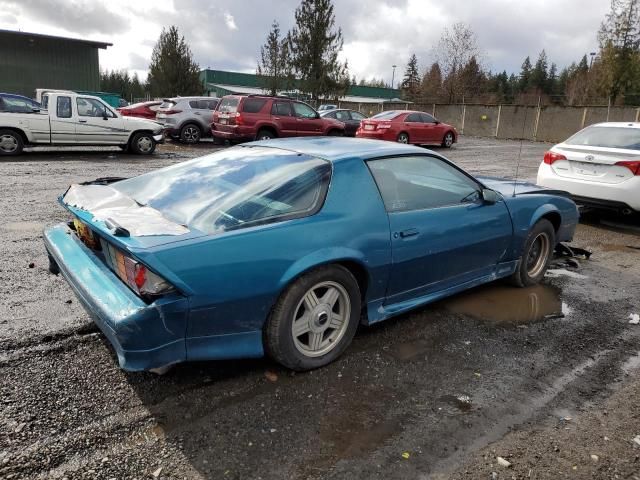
(524, 123)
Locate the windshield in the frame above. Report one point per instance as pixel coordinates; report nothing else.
(610, 137)
(234, 188)
(228, 104)
(386, 115)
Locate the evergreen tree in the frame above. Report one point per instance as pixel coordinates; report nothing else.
(410, 85)
(525, 75)
(315, 43)
(539, 75)
(619, 38)
(173, 71)
(472, 79)
(432, 84)
(274, 68)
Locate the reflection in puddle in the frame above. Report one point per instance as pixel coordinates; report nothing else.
(503, 304)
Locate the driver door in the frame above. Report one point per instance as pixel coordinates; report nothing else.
(307, 120)
(98, 124)
(443, 234)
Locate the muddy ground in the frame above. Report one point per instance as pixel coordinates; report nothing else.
(542, 377)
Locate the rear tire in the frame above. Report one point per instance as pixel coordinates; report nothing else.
(403, 138)
(336, 133)
(447, 140)
(324, 307)
(11, 143)
(265, 134)
(143, 143)
(190, 133)
(536, 255)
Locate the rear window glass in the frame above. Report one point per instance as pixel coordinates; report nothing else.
(234, 188)
(253, 105)
(610, 137)
(228, 104)
(167, 104)
(386, 115)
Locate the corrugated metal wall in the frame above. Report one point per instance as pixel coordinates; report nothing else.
(27, 63)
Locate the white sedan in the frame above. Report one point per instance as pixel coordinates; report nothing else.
(599, 166)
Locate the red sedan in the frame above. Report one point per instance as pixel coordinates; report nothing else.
(142, 110)
(407, 126)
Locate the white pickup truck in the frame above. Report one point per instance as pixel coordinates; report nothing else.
(68, 118)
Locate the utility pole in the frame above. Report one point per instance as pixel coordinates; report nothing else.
(393, 75)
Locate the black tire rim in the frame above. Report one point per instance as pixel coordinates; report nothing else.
(191, 134)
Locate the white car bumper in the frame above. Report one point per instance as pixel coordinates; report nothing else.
(614, 195)
(159, 138)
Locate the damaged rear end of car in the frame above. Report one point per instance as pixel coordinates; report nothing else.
(140, 307)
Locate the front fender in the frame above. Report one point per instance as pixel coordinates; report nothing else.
(543, 210)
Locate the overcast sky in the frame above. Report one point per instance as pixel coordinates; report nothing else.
(227, 34)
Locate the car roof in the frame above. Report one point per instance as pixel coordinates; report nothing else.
(336, 149)
(177, 99)
(617, 124)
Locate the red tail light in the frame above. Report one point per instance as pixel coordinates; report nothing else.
(239, 119)
(633, 165)
(550, 157)
(382, 126)
(171, 112)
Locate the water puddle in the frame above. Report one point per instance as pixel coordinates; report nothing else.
(503, 304)
(411, 350)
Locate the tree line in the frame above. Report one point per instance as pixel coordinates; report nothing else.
(306, 59)
(611, 74)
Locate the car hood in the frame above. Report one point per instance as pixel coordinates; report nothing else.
(509, 188)
(137, 122)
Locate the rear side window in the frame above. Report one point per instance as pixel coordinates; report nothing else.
(229, 104)
(194, 104)
(281, 108)
(167, 104)
(330, 115)
(342, 115)
(63, 109)
(253, 105)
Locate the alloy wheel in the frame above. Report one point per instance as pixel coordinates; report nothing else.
(8, 143)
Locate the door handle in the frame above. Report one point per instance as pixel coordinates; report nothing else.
(411, 232)
(276, 118)
(82, 121)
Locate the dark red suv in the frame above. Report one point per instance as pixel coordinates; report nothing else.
(260, 117)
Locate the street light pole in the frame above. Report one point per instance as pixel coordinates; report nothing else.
(592, 54)
(393, 75)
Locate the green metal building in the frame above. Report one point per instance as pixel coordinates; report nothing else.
(29, 61)
(219, 83)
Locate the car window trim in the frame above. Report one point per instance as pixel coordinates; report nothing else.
(425, 155)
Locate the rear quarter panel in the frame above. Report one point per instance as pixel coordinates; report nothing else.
(236, 277)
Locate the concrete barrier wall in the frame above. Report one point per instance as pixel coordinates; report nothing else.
(517, 122)
(481, 120)
(545, 124)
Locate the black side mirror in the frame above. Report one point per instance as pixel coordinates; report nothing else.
(437, 122)
(489, 196)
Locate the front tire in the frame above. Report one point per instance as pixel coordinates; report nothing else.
(143, 143)
(265, 134)
(447, 140)
(403, 138)
(536, 254)
(11, 143)
(314, 320)
(190, 133)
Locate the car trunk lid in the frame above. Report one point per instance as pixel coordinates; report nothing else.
(595, 164)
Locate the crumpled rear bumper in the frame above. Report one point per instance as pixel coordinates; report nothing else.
(144, 335)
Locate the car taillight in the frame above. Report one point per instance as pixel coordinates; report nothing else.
(382, 126)
(239, 119)
(550, 157)
(138, 277)
(633, 165)
(171, 112)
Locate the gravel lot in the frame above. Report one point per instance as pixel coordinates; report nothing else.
(542, 377)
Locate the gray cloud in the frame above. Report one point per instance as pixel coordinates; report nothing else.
(82, 17)
(377, 33)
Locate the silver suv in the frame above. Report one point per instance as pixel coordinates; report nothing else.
(187, 119)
